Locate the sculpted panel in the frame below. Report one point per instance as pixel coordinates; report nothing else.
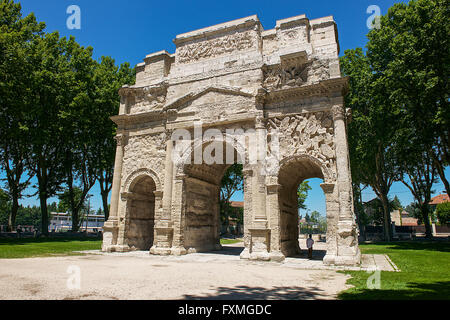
(147, 99)
(222, 45)
(287, 76)
(310, 134)
(147, 151)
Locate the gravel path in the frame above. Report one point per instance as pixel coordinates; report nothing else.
(142, 276)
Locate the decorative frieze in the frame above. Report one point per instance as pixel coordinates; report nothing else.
(222, 45)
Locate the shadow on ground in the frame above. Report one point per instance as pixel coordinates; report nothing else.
(317, 255)
(417, 291)
(237, 250)
(227, 250)
(259, 293)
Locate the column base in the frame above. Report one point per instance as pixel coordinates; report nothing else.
(178, 251)
(262, 256)
(329, 259)
(277, 256)
(116, 248)
(348, 260)
(163, 240)
(110, 230)
(342, 260)
(160, 251)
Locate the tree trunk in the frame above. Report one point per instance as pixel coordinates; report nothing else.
(426, 221)
(387, 218)
(105, 188)
(13, 214)
(105, 203)
(44, 212)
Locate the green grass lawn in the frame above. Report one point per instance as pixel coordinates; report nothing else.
(27, 248)
(229, 241)
(425, 272)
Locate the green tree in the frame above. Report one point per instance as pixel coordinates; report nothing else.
(396, 204)
(415, 38)
(5, 205)
(315, 217)
(372, 129)
(78, 122)
(108, 79)
(302, 194)
(50, 79)
(231, 182)
(409, 54)
(443, 213)
(17, 34)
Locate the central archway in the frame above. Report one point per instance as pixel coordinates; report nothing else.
(202, 189)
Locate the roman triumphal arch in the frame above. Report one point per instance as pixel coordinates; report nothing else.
(269, 99)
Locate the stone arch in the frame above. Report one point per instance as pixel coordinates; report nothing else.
(135, 176)
(292, 171)
(327, 174)
(200, 142)
(201, 214)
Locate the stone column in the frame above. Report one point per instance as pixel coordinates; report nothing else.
(332, 207)
(274, 216)
(347, 239)
(178, 212)
(247, 172)
(163, 225)
(111, 226)
(259, 231)
(123, 214)
(216, 213)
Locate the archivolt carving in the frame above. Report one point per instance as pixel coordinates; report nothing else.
(231, 140)
(134, 177)
(215, 47)
(310, 134)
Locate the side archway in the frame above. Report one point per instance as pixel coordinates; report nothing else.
(292, 172)
(142, 200)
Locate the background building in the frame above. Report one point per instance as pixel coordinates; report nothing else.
(62, 221)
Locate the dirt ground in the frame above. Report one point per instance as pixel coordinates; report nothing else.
(141, 276)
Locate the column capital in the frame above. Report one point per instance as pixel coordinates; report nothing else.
(273, 188)
(158, 194)
(247, 172)
(260, 122)
(327, 187)
(338, 112)
(121, 139)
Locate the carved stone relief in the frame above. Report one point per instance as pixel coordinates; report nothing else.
(287, 76)
(147, 99)
(207, 49)
(310, 134)
(147, 151)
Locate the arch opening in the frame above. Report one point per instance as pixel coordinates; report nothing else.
(140, 220)
(202, 227)
(290, 177)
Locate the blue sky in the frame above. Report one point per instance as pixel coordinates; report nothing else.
(129, 30)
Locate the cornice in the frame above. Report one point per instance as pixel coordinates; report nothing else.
(331, 87)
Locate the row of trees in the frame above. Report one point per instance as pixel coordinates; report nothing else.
(399, 96)
(56, 101)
